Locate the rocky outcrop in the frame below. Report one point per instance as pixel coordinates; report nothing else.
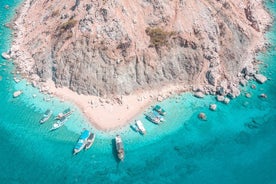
(260, 78)
(199, 94)
(117, 47)
(213, 107)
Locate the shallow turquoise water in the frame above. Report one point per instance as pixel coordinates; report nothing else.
(227, 148)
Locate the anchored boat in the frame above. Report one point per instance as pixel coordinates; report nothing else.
(90, 141)
(59, 123)
(67, 112)
(140, 127)
(81, 142)
(154, 118)
(120, 147)
(46, 116)
(160, 110)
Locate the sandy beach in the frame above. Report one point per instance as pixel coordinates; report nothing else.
(109, 114)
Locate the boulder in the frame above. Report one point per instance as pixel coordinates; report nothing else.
(226, 100)
(17, 93)
(199, 94)
(220, 98)
(212, 77)
(235, 92)
(249, 70)
(160, 98)
(260, 78)
(202, 116)
(213, 107)
(243, 82)
(247, 95)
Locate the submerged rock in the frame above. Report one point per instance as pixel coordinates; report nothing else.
(247, 95)
(263, 95)
(220, 98)
(260, 78)
(253, 86)
(202, 116)
(226, 100)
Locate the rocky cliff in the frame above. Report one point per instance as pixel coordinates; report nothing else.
(116, 47)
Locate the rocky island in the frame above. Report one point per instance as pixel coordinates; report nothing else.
(111, 56)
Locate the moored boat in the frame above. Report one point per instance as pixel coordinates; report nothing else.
(90, 141)
(46, 116)
(160, 110)
(120, 147)
(153, 118)
(6, 55)
(59, 123)
(81, 142)
(67, 112)
(140, 127)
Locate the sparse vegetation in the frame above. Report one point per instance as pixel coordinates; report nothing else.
(158, 36)
(55, 13)
(68, 25)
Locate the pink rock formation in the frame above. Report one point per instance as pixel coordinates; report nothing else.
(117, 47)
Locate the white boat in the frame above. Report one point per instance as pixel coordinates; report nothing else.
(81, 142)
(153, 118)
(90, 141)
(6, 55)
(119, 147)
(46, 116)
(67, 112)
(140, 127)
(59, 123)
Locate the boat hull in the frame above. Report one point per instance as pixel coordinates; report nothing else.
(119, 148)
(81, 142)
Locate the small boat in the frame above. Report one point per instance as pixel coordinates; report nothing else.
(90, 141)
(120, 147)
(59, 123)
(46, 116)
(6, 55)
(81, 142)
(160, 110)
(153, 118)
(140, 127)
(65, 113)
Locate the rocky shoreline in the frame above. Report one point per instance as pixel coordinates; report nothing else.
(90, 52)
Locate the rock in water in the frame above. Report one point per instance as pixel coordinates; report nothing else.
(202, 116)
(220, 98)
(247, 95)
(213, 107)
(226, 100)
(17, 93)
(199, 94)
(263, 95)
(260, 78)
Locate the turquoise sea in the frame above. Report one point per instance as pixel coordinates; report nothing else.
(236, 145)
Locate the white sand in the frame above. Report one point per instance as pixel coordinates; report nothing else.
(108, 114)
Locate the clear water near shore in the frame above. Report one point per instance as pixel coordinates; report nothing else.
(237, 143)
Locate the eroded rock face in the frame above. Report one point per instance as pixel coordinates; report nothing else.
(116, 47)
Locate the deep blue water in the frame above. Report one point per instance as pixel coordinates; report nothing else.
(237, 144)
